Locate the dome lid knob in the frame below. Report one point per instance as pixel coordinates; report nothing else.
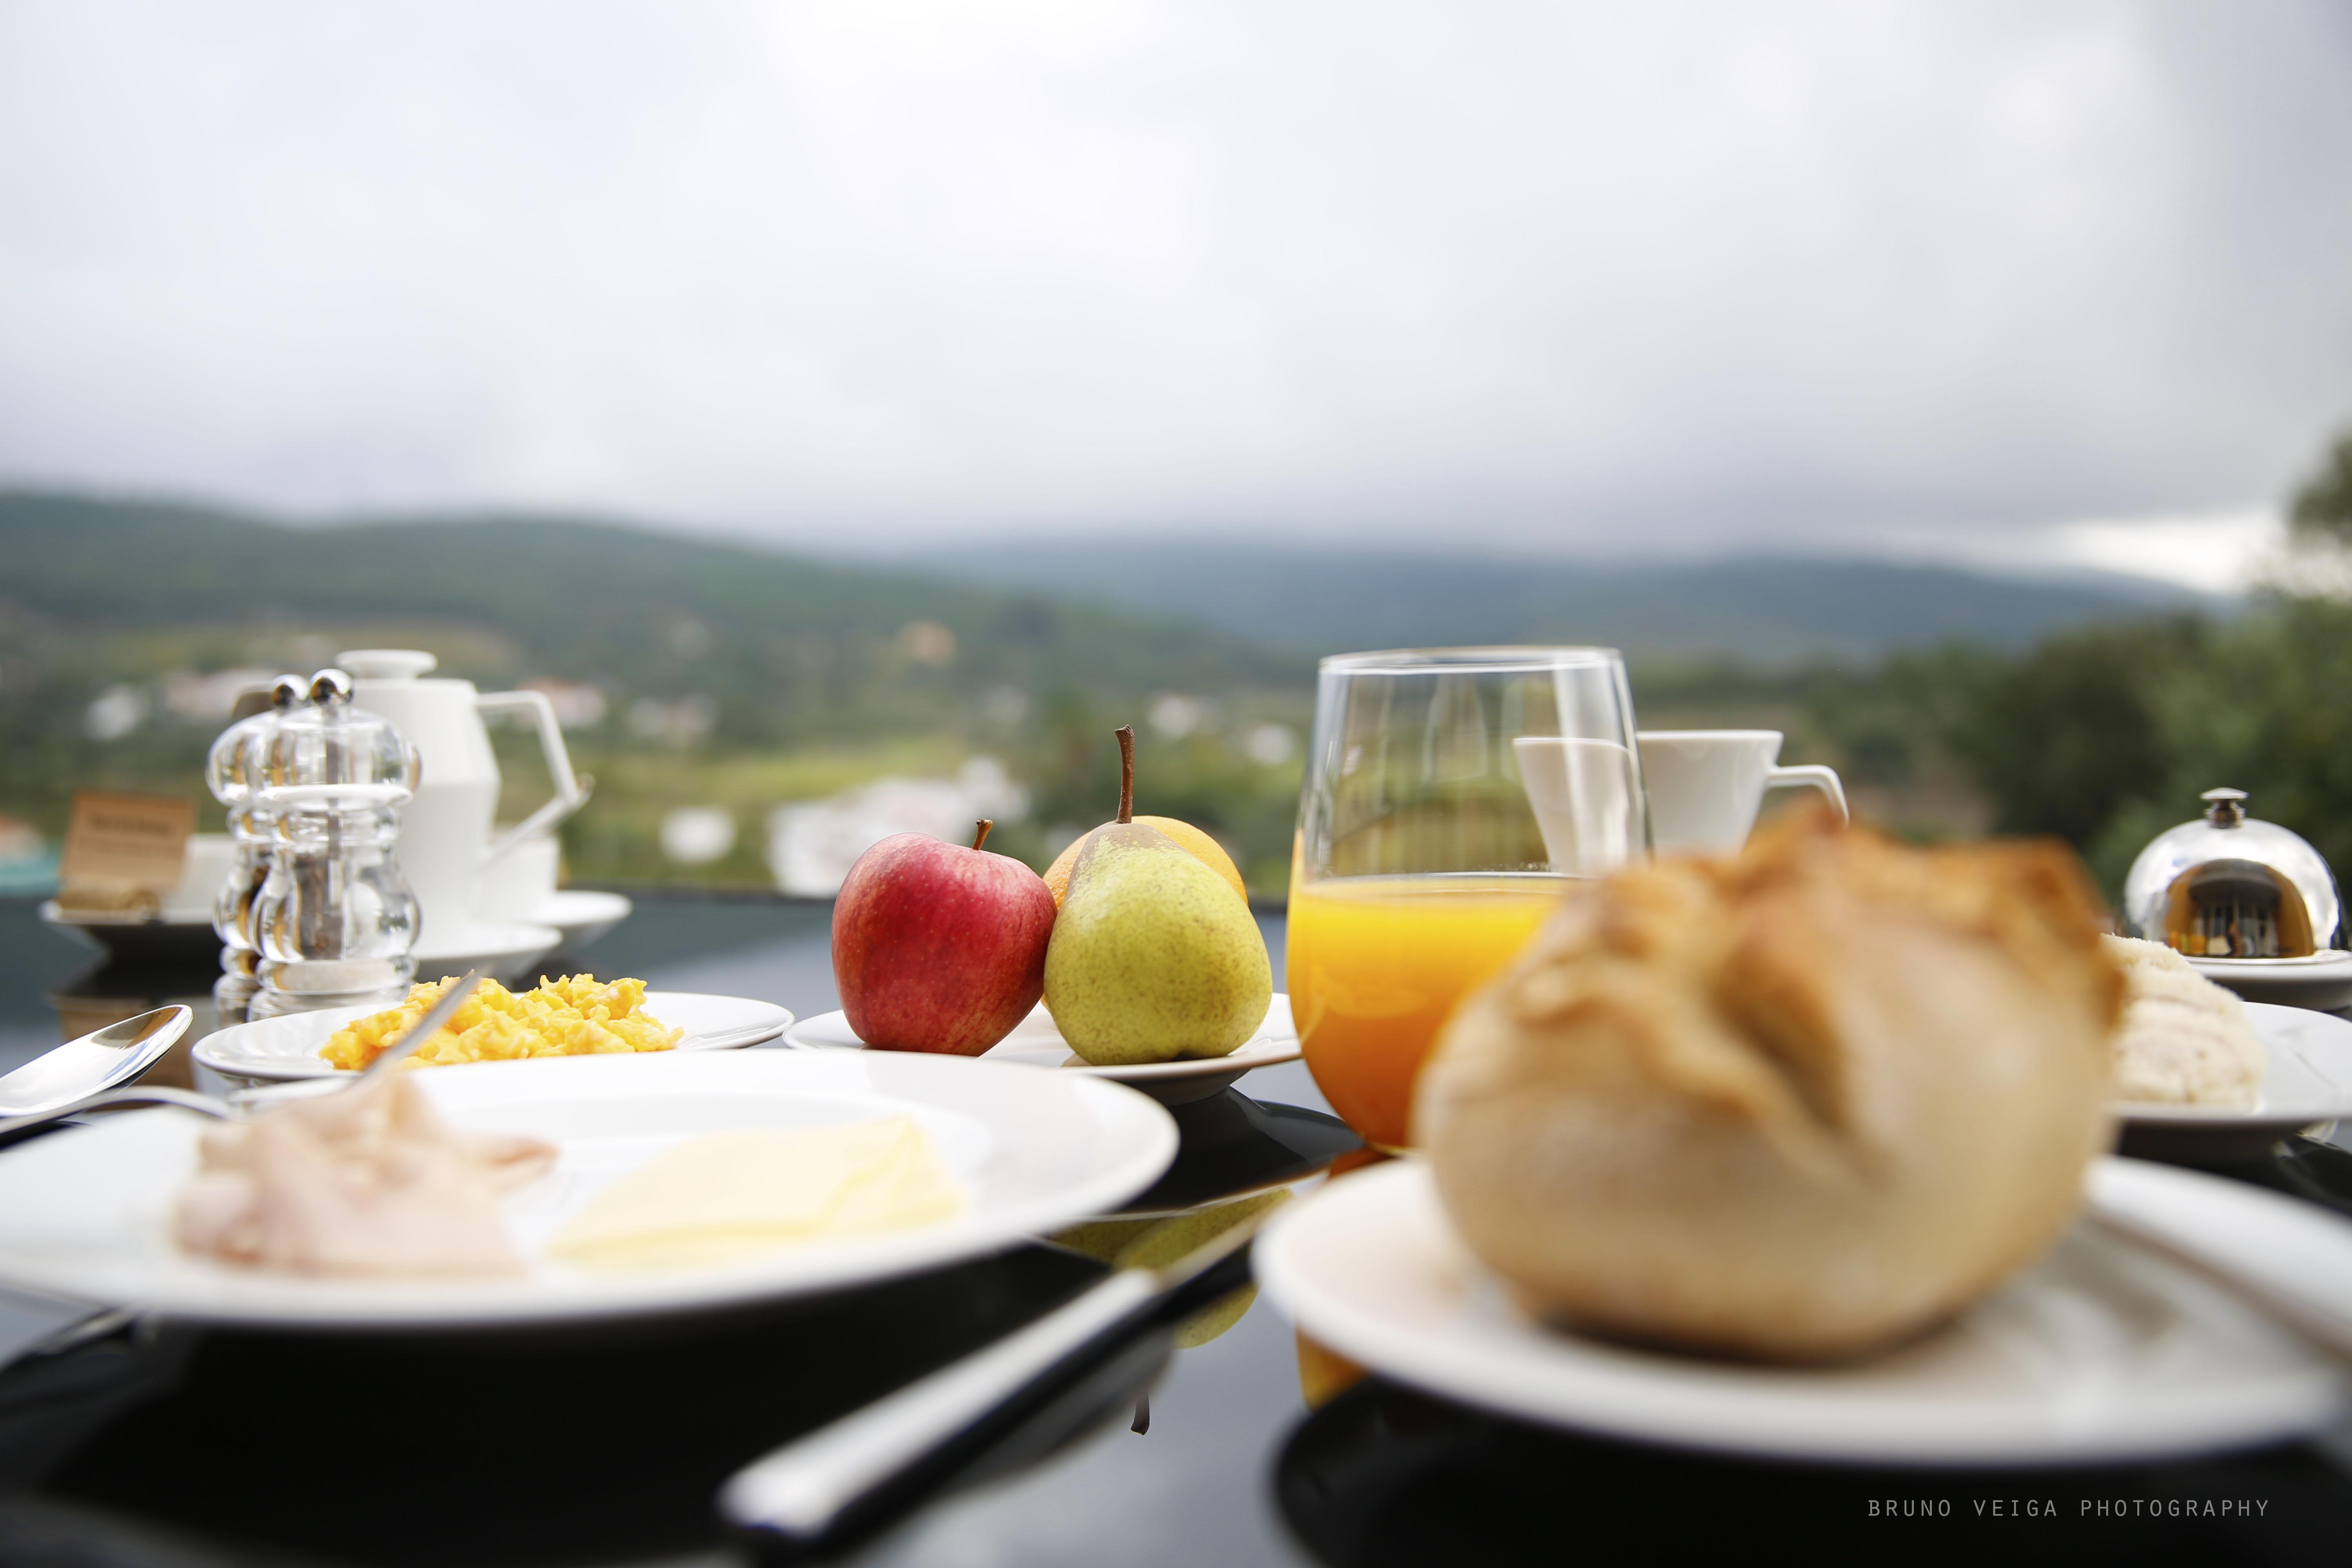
(2225, 808)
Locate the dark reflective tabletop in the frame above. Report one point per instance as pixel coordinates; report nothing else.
(174, 1448)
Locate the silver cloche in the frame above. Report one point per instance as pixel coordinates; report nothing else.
(2228, 886)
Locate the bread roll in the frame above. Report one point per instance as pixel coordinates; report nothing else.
(1795, 1105)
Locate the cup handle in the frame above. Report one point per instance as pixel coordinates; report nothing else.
(570, 796)
(1811, 775)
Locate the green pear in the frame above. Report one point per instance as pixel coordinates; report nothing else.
(1152, 958)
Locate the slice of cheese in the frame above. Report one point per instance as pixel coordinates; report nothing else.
(727, 1195)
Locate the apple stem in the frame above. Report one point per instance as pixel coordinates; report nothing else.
(981, 837)
(1126, 734)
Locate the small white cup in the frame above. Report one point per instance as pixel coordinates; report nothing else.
(1587, 801)
(1706, 785)
(211, 857)
(518, 885)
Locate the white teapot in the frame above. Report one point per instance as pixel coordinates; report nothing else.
(444, 832)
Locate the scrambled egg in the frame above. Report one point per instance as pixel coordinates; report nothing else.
(575, 1017)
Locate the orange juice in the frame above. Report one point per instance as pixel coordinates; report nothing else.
(1377, 964)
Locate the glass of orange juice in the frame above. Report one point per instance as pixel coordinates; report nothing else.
(1452, 795)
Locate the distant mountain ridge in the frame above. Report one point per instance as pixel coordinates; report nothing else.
(1125, 614)
(789, 646)
(1768, 609)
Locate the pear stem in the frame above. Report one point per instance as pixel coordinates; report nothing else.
(1126, 734)
(981, 837)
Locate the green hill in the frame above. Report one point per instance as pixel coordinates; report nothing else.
(793, 649)
(1774, 610)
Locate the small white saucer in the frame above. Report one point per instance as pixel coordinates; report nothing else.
(1035, 1042)
(505, 951)
(173, 937)
(582, 914)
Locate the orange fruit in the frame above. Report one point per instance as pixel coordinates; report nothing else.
(1189, 839)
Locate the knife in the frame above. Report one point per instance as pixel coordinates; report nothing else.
(1016, 1398)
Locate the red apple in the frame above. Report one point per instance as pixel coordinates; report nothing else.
(937, 947)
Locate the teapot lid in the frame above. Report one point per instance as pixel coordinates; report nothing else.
(2231, 886)
(386, 663)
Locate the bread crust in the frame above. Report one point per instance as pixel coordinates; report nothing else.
(1795, 1105)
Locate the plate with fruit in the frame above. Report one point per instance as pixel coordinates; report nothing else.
(1135, 957)
(1035, 1042)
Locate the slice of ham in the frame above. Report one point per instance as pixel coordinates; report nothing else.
(365, 1182)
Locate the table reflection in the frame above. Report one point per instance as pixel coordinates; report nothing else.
(1383, 1476)
(577, 1444)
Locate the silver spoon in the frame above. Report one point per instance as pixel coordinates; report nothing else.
(98, 1061)
(399, 1050)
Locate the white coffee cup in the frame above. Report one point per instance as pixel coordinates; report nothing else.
(1587, 797)
(209, 859)
(1706, 785)
(519, 886)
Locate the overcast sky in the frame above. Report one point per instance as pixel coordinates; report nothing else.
(2030, 282)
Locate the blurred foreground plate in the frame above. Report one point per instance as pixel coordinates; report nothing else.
(1035, 1042)
(84, 1213)
(2102, 1352)
(281, 1048)
(2309, 1082)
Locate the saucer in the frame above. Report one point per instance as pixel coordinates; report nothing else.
(582, 914)
(502, 950)
(1035, 1042)
(173, 937)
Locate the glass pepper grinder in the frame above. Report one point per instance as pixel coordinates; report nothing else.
(233, 756)
(336, 921)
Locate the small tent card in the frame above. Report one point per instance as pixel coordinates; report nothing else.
(123, 852)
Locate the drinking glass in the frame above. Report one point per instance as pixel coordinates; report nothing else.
(1451, 795)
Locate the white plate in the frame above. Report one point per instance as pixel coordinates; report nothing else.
(2325, 958)
(173, 937)
(53, 913)
(2321, 980)
(1035, 1042)
(83, 1212)
(2309, 1081)
(287, 1046)
(2102, 1352)
(503, 950)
